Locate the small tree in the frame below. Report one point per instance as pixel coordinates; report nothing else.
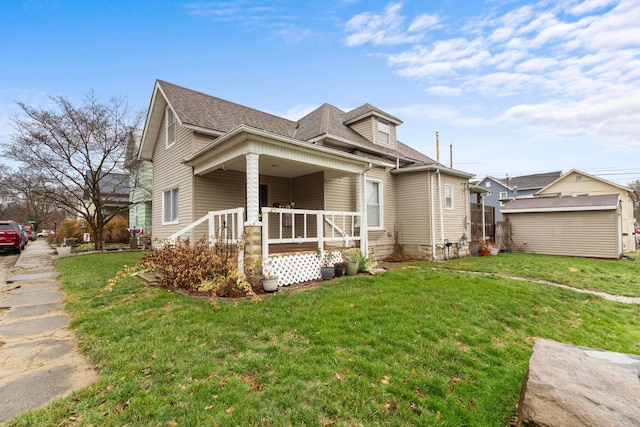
(76, 149)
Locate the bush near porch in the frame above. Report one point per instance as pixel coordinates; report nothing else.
(351, 352)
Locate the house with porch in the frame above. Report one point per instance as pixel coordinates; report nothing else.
(332, 180)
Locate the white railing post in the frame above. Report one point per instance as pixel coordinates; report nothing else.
(320, 230)
(265, 233)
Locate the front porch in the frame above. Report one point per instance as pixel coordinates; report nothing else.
(288, 238)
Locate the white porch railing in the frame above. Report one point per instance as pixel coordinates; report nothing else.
(297, 226)
(308, 226)
(225, 221)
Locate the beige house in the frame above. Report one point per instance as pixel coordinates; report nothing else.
(330, 180)
(578, 215)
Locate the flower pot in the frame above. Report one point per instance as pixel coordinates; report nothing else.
(351, 269)
(270, 284)
(338, 269)
(494, 251)
(485, 252)
(327, 273)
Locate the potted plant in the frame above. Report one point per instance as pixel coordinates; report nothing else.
(269, 278)
(327, 269)
(487, 248)
(353, 262)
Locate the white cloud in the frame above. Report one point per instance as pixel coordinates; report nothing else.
(387, 28)
(564, 68)
(443, 90)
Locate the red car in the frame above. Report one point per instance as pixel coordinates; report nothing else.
(11, 237)
(32, 235)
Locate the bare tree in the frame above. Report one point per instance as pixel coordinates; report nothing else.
(30, 199)
(77, 150)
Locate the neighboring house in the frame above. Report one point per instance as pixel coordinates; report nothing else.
(577, 215)
(114, 187)
(211, 155)
(140, 184)
(503, 189)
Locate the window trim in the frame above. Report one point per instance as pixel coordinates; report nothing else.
(501, 198)
(380, 204)
(387, 133)
(170, 114)
(175, 220)
(447, 205)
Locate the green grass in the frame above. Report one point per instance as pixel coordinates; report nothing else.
(409, 347)
(618, 277)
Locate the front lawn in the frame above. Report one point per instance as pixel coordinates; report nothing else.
(618, 277)
(409, 347)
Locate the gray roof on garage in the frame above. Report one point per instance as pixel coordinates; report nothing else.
(565, 203)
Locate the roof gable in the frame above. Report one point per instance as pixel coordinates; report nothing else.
(573, 173)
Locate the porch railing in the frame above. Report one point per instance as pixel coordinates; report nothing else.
(308, 226)
(230, 222)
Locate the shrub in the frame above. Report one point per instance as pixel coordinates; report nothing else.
(115, 231)
(198, 268)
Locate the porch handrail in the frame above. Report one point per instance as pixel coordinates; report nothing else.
(231, 218)
(356, 219)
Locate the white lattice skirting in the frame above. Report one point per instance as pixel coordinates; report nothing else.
(298, 268)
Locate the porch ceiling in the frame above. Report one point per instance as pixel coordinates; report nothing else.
(283, 168)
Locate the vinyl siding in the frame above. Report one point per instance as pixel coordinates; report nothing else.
(384, 237)
(218, 190)
(586, 234)
(171, 173)
(200, 140)
(568, 185)
(412, 200)
(368, 128)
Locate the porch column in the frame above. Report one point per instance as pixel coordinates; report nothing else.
(253, 189)
(361, 205)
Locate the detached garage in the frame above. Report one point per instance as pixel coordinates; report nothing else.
(585, 226)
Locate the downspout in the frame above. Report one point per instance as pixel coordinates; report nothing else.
(432, 218)
(440, 196)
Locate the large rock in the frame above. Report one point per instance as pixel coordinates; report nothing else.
(567, 386)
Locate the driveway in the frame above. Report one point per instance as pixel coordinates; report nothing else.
(39, 361)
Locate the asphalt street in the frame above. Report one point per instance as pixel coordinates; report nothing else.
(39, 361)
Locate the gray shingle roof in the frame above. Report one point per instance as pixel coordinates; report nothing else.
(606, 201)
(538, 180)
(208, 112)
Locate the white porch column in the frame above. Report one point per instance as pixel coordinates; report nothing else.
(253, 189)
(361, 206)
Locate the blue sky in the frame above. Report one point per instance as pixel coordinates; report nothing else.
(516, 87)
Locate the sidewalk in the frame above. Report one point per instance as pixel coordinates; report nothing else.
(39, 361)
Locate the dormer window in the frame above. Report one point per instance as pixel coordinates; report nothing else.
(171, 127)
(383, 132)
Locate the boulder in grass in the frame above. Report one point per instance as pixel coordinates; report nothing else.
(570, 386)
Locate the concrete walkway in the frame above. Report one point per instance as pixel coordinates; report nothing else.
(38, 357)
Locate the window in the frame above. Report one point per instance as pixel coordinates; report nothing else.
(448, 196)
(487, 184)
(373, 195)
(170, 206)
(503, 196)
(578, 178)
(171, 127)
(383, 132)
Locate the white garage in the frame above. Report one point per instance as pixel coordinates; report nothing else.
(585, 226)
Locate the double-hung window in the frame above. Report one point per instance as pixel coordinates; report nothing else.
(503, 197)
(448, 196)
(373, 195)
(170, 206)
(171, 127)
(383, 132)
